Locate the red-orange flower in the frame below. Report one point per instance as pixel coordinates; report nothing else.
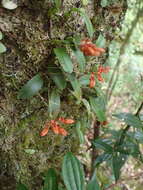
(63, 132)
(45, 130)
(90, 49)
(66, 121)
(101, 70)
(92, 80)
(56, 128)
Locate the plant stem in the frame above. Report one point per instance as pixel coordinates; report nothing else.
(94, 153)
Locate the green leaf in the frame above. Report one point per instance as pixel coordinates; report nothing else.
(30, 151)
(79, 132)
(54, 103)
(84, 80)
(93, 183)
(58, 3)
(21, 186)
(85, 2)
(57, 76)
(130, 119)
(101, 41)
(64, 59)
(31, 88)
(87, 22)
(104, 3)
(98, 107)
(118, 161)
(72, 172)
(99, 143)
(87, 105)
(2, 48)
(1, 36)
(50, 182)
(102, 158)
(80, 59)
(75, 85)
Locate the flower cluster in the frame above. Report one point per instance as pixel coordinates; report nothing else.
(100, 70)
(56, 128)
(90, 49)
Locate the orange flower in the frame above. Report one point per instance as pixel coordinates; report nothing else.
(44, 131)
(90, 49)
(66, 121)
(92, 80)
(101, 70)
(63, 132)
(56, 128)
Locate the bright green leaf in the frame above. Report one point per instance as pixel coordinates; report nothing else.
(104, 3)
(58, 3)
(2, 48)
(80, 59)
(84, 80)
(93, 183)
(101, 41)
(54, 103)
(98, 107)
(64, 59)
(72, 172)
(31, 88)
(21, 186)
(30, 151)
(57, 76)
(85, 2)
(76, 86)
(87, 105)
(130, 119)
(1, 36)
(79, 132)
(88, 23)
(50, 182)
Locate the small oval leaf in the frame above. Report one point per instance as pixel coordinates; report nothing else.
(64, 59)
(54, 103)
(2, 48)
(31, 87)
